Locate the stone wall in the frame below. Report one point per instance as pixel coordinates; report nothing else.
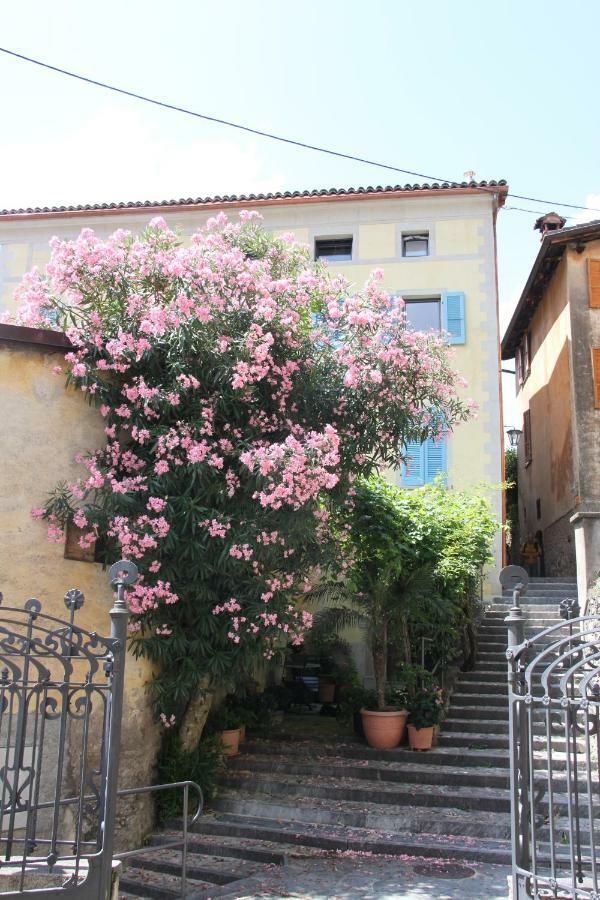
(559, 548)
(43, 427)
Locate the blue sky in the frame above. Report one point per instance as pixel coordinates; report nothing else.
(508, 89)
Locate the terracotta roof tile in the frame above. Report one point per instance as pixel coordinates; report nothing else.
(245, 198)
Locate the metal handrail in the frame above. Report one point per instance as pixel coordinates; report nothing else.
(129, 792)
(183, 843)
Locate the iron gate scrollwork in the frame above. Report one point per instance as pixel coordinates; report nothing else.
(61, 693)
(554, 707)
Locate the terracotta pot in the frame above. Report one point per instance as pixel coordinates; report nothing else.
(326, 692)
(420, 738)
(242, 730)
(384, 729)
(231, 741)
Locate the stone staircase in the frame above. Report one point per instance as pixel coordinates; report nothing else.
(284, 797)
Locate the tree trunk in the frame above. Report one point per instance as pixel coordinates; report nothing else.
(405, 640)
(195, 717)
(379, 651)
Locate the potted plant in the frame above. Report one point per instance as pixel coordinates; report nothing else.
(327, 685)
(241, 710)
(425, 713)
(376, 594)
(225, 722)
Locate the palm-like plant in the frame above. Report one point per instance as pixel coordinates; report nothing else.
(385, 579)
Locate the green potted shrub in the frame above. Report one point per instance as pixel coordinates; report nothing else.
(225, 722)
(239, 709)
(424, 714)
(375, 596)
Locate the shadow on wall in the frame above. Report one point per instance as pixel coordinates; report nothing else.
(546, 485)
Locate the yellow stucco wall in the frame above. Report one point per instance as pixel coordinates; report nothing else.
(43, 427)
(461, 259)
(377, 241)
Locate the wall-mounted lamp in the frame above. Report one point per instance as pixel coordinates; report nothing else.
(514, 435)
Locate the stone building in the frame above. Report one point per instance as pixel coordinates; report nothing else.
(554, 338)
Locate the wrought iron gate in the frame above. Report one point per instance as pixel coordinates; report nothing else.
(554, 707)
(61, 696)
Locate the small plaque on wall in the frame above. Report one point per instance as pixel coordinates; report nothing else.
(72, 548)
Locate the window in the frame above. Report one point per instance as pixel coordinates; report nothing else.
(445, 313)
(527, 436)
(518, 379)
(415, 244)
(423, 315)
(594, 283)
(538, 508)
(523, 359)
(423, 462)
(334, 249)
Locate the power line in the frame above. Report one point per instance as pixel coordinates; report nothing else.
(266, 134)
(534, 212)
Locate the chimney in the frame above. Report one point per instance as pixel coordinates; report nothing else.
(550, 222)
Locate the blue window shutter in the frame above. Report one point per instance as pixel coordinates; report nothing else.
(453, 316)
(413, 471)
(435, 459)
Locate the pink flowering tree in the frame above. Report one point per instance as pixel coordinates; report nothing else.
(242, 388)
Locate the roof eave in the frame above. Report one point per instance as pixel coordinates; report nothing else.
(40, 338)
(522, 316)
(497, 190)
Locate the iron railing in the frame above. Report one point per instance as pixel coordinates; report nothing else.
(183, 842)
(554, 720)
(61, 698)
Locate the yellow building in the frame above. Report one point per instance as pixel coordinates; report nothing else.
(436, 244)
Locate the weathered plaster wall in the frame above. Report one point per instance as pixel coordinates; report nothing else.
(462, 258)
(549, 477)
(43, 427)
(585, 327)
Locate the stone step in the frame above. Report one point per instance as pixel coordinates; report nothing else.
(459, 721)
(475, 712)
(497, 618)
(385, 819)
(363, 840)
(553, 579)
(479, 701)
(499, 668)
(216, 866)
(201, 868)
(387, 774)
(400, 794)
(359, 751)
(491, 656)
(478, 685)
(231, 848)
(530, 601)
(480, 676)
(143, 881)
(472, 740)
(553, 590)
(478, 690)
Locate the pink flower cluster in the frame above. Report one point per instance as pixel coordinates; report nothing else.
(296, 471)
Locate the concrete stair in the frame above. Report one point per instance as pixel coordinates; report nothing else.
(286, 796)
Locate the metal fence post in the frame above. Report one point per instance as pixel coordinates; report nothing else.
(519, 766)
(184, 849)
(120, 574)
